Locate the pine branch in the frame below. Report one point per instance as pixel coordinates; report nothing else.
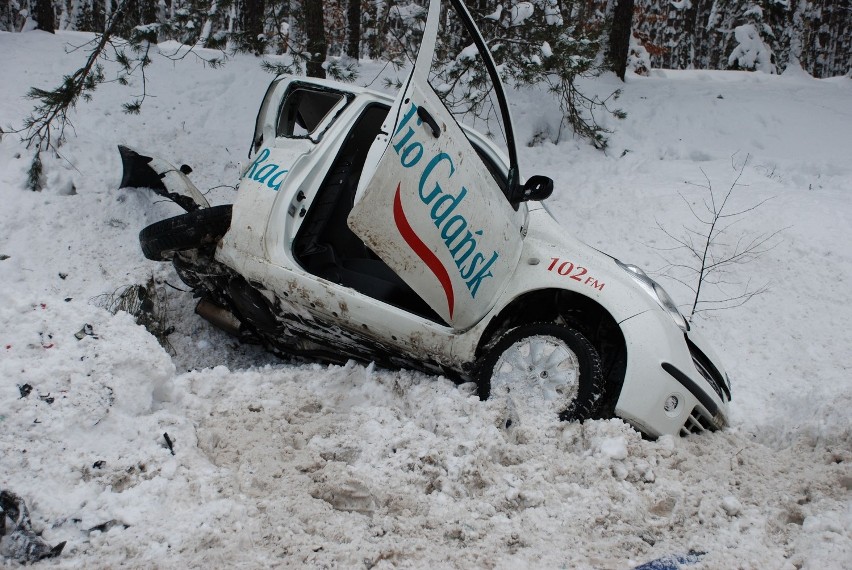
(55, 105)
(45, 127)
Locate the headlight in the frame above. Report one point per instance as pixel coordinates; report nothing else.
(656, 291)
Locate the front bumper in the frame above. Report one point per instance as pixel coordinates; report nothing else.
(673, 384)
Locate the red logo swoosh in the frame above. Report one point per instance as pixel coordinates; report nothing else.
(422, 250)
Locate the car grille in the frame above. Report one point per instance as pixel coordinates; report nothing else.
(697, 422)
(709, 372)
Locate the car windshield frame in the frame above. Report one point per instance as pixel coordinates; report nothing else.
(327, 120)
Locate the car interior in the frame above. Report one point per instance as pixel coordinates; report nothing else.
(325, 246)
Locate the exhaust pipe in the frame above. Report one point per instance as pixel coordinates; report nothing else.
(219, 317)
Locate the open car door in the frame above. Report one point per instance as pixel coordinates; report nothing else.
(426, 203)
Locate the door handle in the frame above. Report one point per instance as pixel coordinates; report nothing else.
(427, 118)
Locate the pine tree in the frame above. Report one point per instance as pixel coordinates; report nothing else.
(751, 50)
(548, 43)
(10, 16)
(826, 38)
(702, 33)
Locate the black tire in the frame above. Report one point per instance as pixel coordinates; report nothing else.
(192, 230)
(577, 402)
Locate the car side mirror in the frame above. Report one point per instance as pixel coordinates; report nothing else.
(537, 188)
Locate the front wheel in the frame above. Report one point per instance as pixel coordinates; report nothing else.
(541, 372)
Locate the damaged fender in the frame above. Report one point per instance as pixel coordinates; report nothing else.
(140, 171)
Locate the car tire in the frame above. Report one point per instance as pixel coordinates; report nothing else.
(192, 230)
(543, 370)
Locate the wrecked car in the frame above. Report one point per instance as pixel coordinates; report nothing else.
(378, 228)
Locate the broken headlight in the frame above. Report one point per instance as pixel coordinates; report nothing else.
(656, 291)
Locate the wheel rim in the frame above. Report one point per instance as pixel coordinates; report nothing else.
(538, 377)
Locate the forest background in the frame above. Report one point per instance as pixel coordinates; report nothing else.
(766, 35)
(545, 43)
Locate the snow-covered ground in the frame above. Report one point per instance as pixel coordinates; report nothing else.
(302, 464)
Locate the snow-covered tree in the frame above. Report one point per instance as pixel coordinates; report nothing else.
(751, 51)
(748, 34)
(679, 34)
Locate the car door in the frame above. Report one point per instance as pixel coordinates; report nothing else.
(427, 206)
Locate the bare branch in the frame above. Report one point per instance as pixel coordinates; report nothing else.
(714, 246)
(749, 209)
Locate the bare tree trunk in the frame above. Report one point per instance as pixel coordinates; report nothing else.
(252, 16)
(354, 28)
(45, 16)
(315, 32)
(619, 36)
(148, 12)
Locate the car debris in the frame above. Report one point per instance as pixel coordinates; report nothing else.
(87, 330)
(18, 541)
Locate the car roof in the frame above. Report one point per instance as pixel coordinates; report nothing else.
(356, 90)
(387, 98)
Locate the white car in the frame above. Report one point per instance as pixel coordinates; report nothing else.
(379, 229)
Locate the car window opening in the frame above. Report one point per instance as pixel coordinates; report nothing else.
(303, 111)
(326, 247)
(499, 175)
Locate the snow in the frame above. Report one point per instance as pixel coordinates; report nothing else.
(638, 58)
(409, 14)
(552, 13)
(751, 51)
(495, 15)
(518, 13)
(305, 464)
(755, 11)
(469, 52)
